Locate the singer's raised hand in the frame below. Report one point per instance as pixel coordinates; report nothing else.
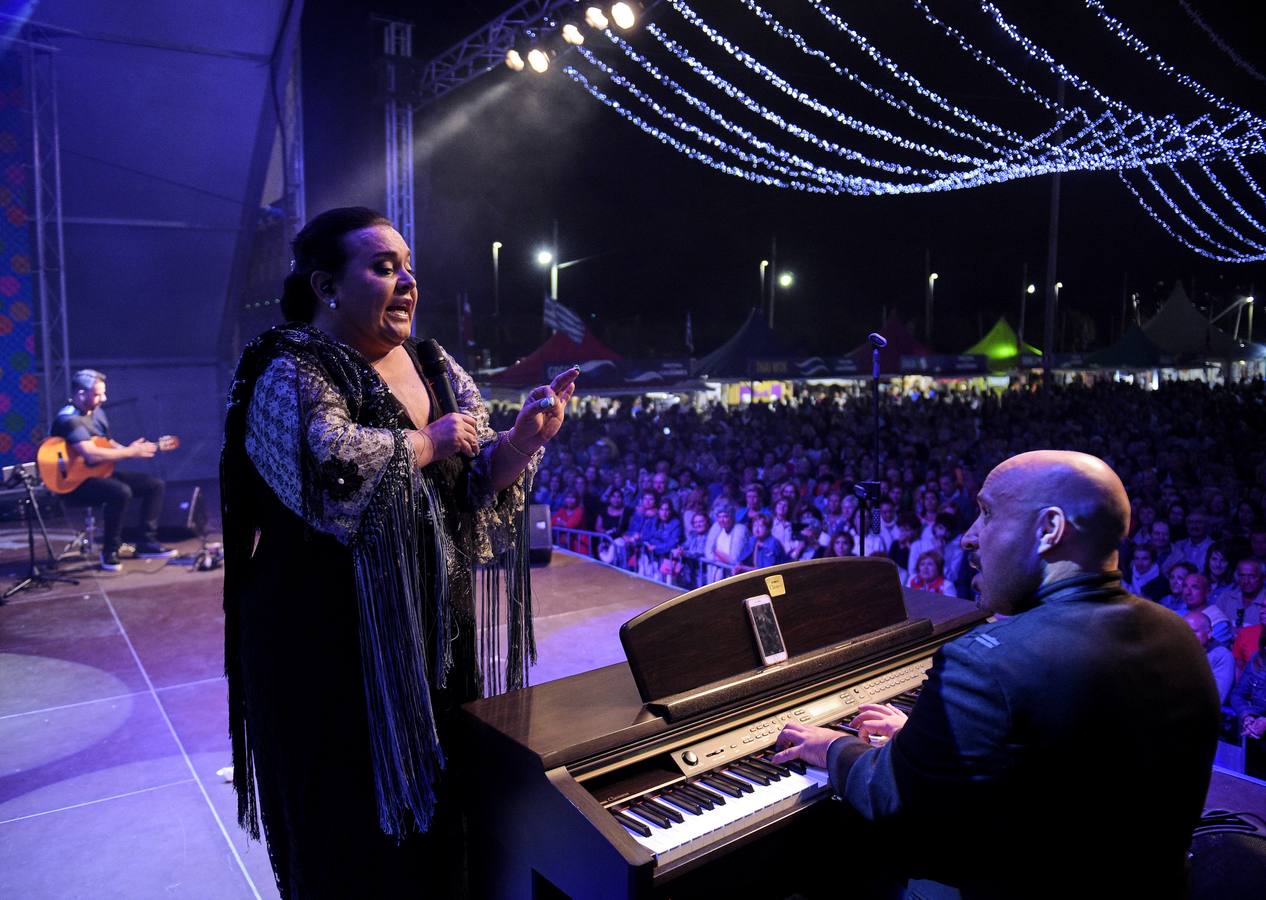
(535, 426)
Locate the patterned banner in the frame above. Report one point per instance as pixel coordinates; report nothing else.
(20, 428)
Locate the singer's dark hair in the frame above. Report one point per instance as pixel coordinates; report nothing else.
(319, 247)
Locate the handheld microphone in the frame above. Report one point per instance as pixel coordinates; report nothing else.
(435, 369)
(877, 340)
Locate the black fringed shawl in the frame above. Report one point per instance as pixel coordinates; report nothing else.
(402, 573)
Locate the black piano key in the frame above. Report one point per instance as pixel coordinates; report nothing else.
(762, 765)
(722, 786)
(704, 797)
(664, 809)
(650, 814)
(750, 773)
(742, 784)
(796, 765)
(684, 800)
(632, 824)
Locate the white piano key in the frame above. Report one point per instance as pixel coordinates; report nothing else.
(737, 813)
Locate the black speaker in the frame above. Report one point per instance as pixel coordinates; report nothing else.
(540, 535)
(184, 514)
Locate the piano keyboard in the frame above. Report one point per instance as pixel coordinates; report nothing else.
(727, 799)
(672, 821)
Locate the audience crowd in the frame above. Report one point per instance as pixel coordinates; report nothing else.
(688, 496)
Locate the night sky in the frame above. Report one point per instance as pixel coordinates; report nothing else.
(509, 153)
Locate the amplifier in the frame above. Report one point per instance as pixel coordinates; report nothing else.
(540, 535)
(184, 513)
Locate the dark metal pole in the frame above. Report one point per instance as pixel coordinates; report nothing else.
(1052, 258)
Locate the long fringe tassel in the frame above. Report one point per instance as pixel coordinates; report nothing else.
(512, 569)
(405, 746)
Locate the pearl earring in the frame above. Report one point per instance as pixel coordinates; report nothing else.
(332, 303)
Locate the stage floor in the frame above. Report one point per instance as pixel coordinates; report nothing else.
(113, 722)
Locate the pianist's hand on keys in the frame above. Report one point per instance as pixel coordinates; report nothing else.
(810, 742)
(806, 742)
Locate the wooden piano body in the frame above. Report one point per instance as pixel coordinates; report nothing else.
(540, 768)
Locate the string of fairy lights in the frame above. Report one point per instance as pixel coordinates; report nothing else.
(1190, 175)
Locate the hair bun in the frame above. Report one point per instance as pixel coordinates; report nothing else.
(298, 300)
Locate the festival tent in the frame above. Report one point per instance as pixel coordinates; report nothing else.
(900, 344)
(1135, 350)
(733, 359)
(558, 352)
(1001, 347)
(1180, 329)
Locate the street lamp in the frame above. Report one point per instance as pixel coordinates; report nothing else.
(784, 279)
(930, 298)
(1249, 302)
(764, 264)
(496, 278)
(545, 259)
(1024, 296)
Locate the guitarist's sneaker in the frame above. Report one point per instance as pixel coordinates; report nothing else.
(148, 550)
(110, 561)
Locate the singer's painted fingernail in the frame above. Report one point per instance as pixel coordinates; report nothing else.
(545, 403)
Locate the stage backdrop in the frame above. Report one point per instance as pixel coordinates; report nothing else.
(20, 427)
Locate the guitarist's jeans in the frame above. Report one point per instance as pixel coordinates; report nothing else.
(116, 493)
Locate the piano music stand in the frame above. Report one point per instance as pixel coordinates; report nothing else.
(31, 512)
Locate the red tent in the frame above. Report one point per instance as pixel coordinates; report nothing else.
(558, 352)
(900, 343)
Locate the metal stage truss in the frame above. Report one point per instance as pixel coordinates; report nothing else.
(48, 240)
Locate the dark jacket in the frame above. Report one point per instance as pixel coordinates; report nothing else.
(1064, 751)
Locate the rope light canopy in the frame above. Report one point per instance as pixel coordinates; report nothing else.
(778, 116)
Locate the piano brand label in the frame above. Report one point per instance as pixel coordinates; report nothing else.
(774, 585)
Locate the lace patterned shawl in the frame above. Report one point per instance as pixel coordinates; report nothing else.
(310, 418)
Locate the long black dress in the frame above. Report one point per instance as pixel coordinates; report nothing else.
(309, 462)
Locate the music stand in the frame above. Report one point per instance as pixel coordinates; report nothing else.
(31, 512)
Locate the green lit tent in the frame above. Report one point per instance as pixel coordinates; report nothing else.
(1001, 347)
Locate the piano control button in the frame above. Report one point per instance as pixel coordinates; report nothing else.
(717, 752)
(733, 781)
(749, 739)
(663, 809)
(734, 745)
(750, 774)
(722, 786)
(651, 815)
(799, 712)
(683, 800)
(690, 758)
(632, 824)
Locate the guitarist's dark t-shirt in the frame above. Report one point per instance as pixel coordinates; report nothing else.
(75, 427)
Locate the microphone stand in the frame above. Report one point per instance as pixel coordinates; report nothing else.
(31, 512)
(868, 491)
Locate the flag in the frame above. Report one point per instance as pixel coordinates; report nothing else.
(690, 336)
(560, 318)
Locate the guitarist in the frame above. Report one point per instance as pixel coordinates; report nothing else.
(79, 422)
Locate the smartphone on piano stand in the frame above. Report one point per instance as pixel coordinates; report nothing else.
(760, 610)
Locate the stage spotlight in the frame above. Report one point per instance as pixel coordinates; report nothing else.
(624, 14)
(595, 18)
(572, 35)
(514, 60)
(538, 60)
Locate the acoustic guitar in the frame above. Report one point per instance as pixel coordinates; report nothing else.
(62, 469)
